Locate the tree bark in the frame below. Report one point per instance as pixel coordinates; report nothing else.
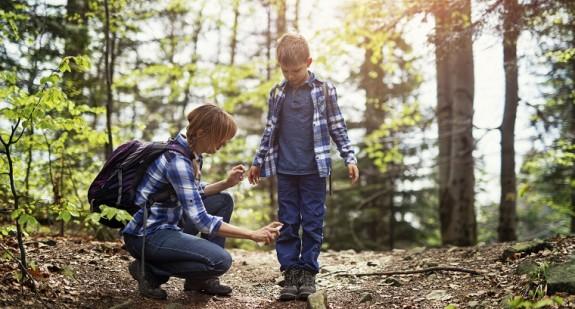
(507, 205)
(377, 94)
(234, 39)
(296, 15)
(281, 23)
(444, 116)
(108, 72)
(455, 91)
(572, 129)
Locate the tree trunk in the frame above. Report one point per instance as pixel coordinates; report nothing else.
(16, 197)
(76, 43)
(281, 23)
(108, 72)
(455, 76)
(269, 43)
(444, 116)
(296, 15)
(234, 39)
(377, 94)
(195, 57)
(572, 129)
(507, 206)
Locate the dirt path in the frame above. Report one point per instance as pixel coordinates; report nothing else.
(78, 273)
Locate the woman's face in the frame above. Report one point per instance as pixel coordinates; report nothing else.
(206, 145)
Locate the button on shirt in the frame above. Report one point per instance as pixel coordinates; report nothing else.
(175, 169)
(296, 154)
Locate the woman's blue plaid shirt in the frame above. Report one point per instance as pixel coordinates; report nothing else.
(175, 169)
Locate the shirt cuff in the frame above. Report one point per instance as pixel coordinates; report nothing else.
(257, 162)
(351, 159)
(216, 225)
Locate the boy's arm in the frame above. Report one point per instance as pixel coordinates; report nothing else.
(266, 136)
(337, 128)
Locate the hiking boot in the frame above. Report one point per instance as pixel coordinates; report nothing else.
(290, 290)
(209, 286)
(307, 287)
(147, 288)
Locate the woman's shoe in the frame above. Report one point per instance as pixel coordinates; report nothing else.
(147, 288)
(209, 286)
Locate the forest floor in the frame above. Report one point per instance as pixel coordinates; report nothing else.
(81, 273)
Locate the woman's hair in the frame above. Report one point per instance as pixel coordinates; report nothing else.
(214, 121)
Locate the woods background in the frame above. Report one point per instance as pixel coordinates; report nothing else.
(80, 77)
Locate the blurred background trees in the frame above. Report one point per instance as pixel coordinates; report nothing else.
(80, 76)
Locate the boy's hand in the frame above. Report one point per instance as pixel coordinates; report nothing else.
(235, 175)
(254, 175)
(353, 172)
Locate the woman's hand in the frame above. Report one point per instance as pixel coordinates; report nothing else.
(267, 234)
(254, 175)
(235, 175)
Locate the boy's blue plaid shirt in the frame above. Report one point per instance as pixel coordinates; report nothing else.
(175, 169)
(327, 121)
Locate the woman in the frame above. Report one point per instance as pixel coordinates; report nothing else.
(165, 248)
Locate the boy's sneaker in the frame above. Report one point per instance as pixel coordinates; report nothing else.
(146, 287)
(307, 287)
(210, 286)
(291, 282)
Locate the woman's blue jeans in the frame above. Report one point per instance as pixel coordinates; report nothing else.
(182, 254)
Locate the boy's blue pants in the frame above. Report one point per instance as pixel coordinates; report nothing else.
(301, 201)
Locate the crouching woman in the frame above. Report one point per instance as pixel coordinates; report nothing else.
(163, 249)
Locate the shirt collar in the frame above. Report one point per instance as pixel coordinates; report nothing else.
(310, 80)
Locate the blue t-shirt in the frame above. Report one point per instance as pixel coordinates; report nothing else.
(296, 152)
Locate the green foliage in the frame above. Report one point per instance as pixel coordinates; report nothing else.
(112, 213)
(545, 190)
(546, 183)
(10, 19)
(6, 230)
(381, 145)
(518, 302)
(536, 297)
(53, 125)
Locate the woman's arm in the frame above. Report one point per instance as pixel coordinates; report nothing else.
(235, 175)
(265, 234)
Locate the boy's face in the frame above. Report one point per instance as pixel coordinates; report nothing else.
(296, 74)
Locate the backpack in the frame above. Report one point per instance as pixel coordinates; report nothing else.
(118, 180)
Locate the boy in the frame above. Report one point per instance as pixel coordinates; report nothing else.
(295, 146)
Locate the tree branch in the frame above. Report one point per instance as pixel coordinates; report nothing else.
(416, 271)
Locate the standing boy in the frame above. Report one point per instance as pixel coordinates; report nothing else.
(303, 114)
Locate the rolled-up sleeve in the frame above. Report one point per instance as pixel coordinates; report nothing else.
(266, 136)
(181, 177)
(337, 128)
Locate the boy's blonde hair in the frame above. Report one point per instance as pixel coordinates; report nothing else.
(292, 49)
(214, 121)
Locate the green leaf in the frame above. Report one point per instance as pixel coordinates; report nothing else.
(65, 65)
